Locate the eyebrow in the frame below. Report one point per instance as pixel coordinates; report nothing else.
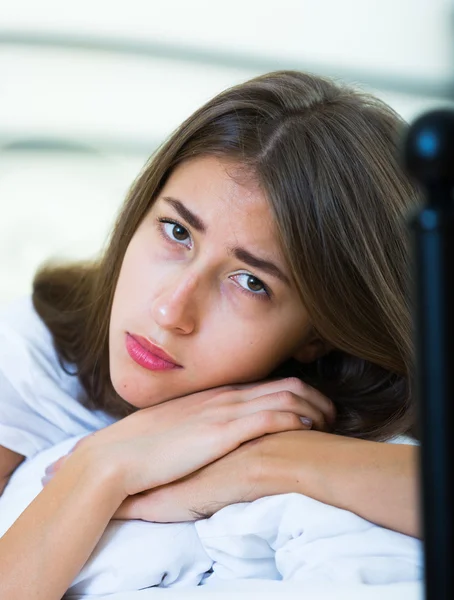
(240, 253)
(193, 220)
(259, 263)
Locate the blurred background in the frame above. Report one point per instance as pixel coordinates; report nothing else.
(88, 90)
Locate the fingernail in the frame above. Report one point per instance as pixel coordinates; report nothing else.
(306, 421)
(45, 480)
(49, 469)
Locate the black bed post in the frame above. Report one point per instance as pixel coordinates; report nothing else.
(429, 158)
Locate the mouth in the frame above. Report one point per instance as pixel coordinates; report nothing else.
(147, 355)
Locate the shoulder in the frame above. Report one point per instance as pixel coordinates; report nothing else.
(31, 364)
(24, 337)
(40, 400)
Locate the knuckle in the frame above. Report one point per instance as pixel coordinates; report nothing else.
(288, 400)
(296, 385)
(284, 396)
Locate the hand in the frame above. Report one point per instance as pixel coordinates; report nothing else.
(230, 479)
(56, 466)
(150, 447)
(259, 468)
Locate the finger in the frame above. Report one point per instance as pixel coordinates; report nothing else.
(262, 423)
(45, 480)
(55, 466)
(51, 470)
(285, 401)
(300, 389)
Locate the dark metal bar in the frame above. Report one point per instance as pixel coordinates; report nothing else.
(430, 159)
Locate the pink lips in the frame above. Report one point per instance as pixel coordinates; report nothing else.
(147, 355)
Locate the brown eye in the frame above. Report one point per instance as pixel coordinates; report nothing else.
(180, 233)
(254, 284)
(175, 233)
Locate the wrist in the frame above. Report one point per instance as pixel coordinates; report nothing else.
(277, 471)
(292, 462)
(321, 467)
(96, 471)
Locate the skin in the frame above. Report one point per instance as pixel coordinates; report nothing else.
(246, 440)
(187, 293)
(191, 303)
(377, 481)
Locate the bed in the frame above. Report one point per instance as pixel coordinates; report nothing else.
(273, 590)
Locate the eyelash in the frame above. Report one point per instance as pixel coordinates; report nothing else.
(162, 220)
(265, 296)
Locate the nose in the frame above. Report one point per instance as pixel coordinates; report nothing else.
(176, 305)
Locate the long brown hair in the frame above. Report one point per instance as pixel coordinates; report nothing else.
(325, 155)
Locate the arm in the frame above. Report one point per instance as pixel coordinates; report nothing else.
(377, 481)
(50, 542)
(41, 554)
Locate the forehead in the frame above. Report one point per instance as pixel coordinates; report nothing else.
(226, 198)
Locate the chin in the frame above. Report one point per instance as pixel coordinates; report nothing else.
(127, 388)
(136, 393)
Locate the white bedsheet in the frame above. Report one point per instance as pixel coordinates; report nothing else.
(289, 537)
(277, 590)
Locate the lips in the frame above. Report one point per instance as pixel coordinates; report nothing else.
(154, 350)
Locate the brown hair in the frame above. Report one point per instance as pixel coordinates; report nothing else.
(325, 155)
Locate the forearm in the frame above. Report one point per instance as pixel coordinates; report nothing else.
(44, 550)
(377, 481)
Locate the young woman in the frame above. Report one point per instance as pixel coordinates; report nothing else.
(246, 333)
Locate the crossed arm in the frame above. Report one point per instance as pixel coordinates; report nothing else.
(377, 481)
(121, 473)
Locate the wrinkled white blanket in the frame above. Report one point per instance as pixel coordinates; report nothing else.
(286, 537)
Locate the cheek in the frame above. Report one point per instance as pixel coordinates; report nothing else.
(135, 280)
(128, 305)
(134, 268)
(253, 352)
(232, 352)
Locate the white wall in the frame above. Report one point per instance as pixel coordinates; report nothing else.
(122, 105)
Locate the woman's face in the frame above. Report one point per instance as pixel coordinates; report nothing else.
(204, 280)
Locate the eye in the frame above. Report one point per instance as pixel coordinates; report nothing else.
(175, 232)
(251, 284)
